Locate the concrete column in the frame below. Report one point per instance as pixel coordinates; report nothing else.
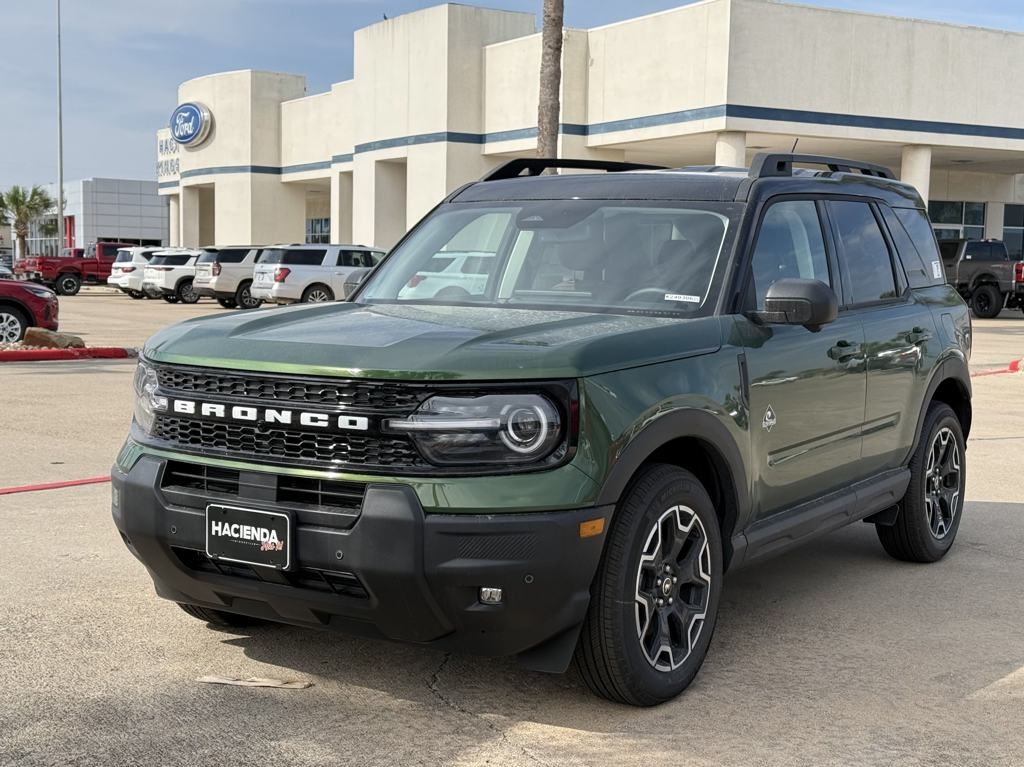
(994, 212)
(190, 205)
(173, 221)
(731, 149)
(389, 204)
(916, 168)
(341, 207)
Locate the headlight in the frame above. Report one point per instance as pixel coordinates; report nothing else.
(488, 429)
(41, 291)
(147, 401)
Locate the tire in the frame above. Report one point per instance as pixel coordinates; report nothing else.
(930, 512)
(186, 293)
(219, 617)
(13, 324)
(317, 294)
(986, 302)
(137, 294)
(244, 299)
(170, 299)
(67, 284)
(616, 654)
(227, 303)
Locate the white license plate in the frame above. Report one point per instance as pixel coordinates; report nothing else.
(263, 278)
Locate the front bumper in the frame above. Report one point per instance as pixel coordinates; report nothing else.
(417, 575)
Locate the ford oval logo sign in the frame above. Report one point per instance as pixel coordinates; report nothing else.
(190, 123)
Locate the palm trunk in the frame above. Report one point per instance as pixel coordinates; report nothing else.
(549, 106)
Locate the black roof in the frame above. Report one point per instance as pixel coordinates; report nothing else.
(769, 175)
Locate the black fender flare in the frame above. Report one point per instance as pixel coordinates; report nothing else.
(985, 278)
(686, 422)
(953, 367)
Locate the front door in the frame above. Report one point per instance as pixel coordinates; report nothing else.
(807, 388)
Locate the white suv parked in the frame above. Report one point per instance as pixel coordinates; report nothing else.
(169, 275)
(126, 273)
(286, 274)
(226, 274)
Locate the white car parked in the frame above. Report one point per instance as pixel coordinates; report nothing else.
(127, 271)
(226, 274)
(169, 275)
(286, 274)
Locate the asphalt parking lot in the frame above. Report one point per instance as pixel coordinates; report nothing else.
(832, 655)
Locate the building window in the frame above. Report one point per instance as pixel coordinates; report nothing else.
(957, 220)
(318, 230)
(1013, 230)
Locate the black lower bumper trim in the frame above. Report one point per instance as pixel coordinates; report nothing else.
(397, 573)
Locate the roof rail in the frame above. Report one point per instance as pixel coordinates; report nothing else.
(767, 165)
(534, 166)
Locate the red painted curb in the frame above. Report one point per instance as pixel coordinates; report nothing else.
(1013, 367)
(30, 355)
(53, 485)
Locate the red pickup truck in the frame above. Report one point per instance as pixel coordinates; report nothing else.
(67, 273)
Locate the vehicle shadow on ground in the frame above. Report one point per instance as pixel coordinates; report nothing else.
(785, 622)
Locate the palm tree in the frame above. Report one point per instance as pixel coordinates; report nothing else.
(19, 206)
(549, 106)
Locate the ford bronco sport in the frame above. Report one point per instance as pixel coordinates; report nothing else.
(666, 374)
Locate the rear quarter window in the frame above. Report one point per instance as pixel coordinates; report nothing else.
(915, 243)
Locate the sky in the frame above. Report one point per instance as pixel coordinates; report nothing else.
(124, 59)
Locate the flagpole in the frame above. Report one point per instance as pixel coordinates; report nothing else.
(60, 147)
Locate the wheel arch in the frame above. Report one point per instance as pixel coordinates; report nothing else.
(699, 442)
(951, 384)
(985, 278)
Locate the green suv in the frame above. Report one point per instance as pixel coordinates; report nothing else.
(632, 382)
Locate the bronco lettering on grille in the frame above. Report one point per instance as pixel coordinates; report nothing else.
(287, 417)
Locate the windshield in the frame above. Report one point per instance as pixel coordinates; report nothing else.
(581, 255)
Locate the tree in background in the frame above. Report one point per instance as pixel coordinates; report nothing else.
(19, 206)
(549, 106)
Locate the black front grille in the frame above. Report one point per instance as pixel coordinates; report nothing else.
(304, 448)
(375, 395)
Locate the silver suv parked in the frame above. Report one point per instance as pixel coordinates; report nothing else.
(286, 274)
(226, 274)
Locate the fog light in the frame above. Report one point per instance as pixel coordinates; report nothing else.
(490, 595)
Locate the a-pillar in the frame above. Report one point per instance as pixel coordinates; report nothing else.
(173, 221)
(916, 168)
(731, 149)
(190, 203)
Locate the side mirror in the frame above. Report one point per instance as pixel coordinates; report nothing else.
(792, 301)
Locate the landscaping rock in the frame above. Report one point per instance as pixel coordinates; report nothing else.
(49, 339)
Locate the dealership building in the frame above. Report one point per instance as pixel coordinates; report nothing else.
(441, 95)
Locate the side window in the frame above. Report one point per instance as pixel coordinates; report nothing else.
(789, 244)
(978, 251)
(865, 255)
(304, 257)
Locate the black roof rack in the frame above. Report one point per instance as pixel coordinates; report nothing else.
(767, 165)
(534, 166)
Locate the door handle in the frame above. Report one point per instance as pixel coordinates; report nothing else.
(844, 351)
(918, 336)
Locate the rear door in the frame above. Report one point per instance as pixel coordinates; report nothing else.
(899, 331)
(347, 261)
(806, 389)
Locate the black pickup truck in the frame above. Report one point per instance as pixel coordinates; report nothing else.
(982, 272)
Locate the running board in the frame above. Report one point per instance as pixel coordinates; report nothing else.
(812, 519)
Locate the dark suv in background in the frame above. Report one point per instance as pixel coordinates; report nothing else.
(647, 377)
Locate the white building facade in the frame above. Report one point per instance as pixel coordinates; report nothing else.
(440, 96)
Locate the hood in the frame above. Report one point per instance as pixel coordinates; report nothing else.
(430, 342)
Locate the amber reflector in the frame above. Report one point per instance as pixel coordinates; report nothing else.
(591, 527)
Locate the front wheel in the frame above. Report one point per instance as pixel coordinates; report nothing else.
(929, 514)
(986, 302)
(12, 325)
(67, 284)
(655, 598)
